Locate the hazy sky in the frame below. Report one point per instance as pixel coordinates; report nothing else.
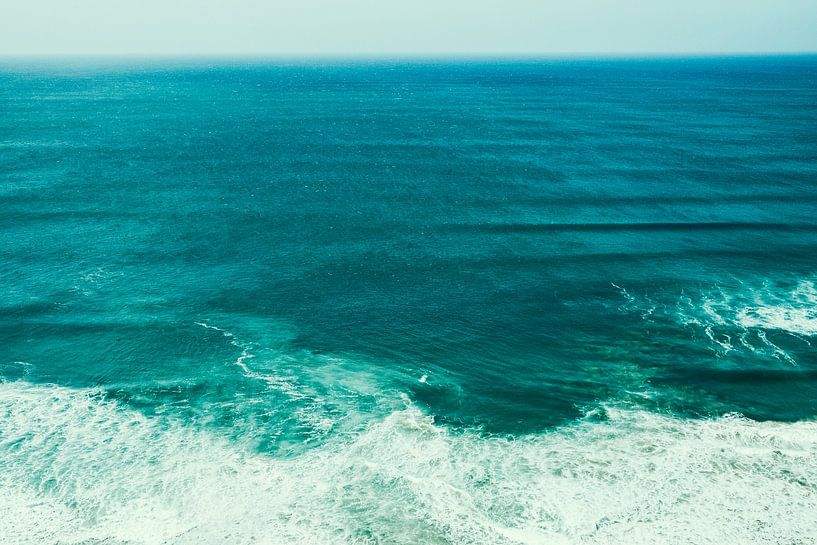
(419, 27)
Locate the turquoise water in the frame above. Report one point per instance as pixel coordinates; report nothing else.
(502, 302)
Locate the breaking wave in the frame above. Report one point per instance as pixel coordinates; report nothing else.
(78, 468)
(740, 318)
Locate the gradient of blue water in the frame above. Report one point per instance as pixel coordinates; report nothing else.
(510, 302)
(529, 238)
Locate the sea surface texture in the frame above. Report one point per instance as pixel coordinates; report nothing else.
(483, 302)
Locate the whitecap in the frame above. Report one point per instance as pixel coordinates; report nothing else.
(741, 317)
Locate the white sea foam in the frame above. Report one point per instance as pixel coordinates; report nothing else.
(320, 392)
(798, 320)
(75, 468)
(790, 310)
(741, 317)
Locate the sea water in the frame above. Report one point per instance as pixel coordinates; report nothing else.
(485, 301)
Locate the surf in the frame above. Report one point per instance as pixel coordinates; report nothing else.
(76, 468)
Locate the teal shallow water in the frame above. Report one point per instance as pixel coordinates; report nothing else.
(482, 302)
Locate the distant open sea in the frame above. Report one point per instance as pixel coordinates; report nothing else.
(538, 302)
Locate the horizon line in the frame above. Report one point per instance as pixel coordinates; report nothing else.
(407, 56)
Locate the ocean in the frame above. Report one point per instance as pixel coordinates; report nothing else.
(533, 301)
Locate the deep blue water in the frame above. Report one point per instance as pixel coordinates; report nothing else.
(409, 302)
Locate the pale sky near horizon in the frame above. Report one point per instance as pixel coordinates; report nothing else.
(391, 27)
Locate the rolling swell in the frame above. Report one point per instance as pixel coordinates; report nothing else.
(523, 228)
(218, 280)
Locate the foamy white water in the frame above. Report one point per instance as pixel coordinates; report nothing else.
(739, 318)
(794, 312)
(75, 468)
